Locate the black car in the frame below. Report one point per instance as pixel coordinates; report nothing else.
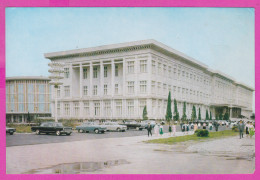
(52, 127)
(10, 130)
(133, 125)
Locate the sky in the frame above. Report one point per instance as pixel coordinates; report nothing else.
(221, 38)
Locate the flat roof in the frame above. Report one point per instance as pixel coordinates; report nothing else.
(27, 78)
(158, 46)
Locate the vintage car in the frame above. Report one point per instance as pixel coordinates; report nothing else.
(52, 127)
(113, 126)
(146, 122)
(133, 125)
(10, 130)
(91, 127)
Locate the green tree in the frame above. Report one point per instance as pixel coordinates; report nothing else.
(145, 117)
(216, 117)
(207, 115)
(210, 116)
(199, 115)
(193, 114)
(184, 116)
(168, 115)
(220, 116)
(176, 113)
(226, 116)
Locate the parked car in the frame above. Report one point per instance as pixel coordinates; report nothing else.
(146, 122)
(52, 127)
(10, 130)
(113, 126)
(91, 127)
(133, 125)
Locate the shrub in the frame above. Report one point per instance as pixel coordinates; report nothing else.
(202, 133)
(235, 128)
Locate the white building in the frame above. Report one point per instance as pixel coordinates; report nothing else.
(27, 95)
(117, 81)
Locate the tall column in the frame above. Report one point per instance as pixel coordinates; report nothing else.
(80, 80)
(112, 77)
(101, 92)
(90, 78)
(71, 80)
(136, 76)
(149, 79)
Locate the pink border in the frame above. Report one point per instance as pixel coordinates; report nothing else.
(122, 3)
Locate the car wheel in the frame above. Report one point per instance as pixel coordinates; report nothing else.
(118, 129)
(11, 133)
(80, 131)
(96, 131)
(58, 133)
(37, 132)
(137, 128)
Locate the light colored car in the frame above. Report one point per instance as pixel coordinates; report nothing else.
(90, 127)
(113, 126)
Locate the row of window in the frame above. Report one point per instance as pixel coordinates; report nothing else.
(28, 107)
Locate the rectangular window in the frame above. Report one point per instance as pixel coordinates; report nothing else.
(95, 90)
(86, 108)
(66, 72)
(159, 88)
(96, 108)
(143, 86)
(153, 87)
(143, 66)
(116, 88)
(130, 67)
(107, 108)
(85, 73)
(118, 108)
(130, 108)
(58, 91)
(153, 67)
(95, 72)
(105, 89)
(85, 90)
(164, 70)
(164, 88)
(131, 86)
(76, 109)
(67, 109)
(105, 71)
(159, 68)
(116, 70)
(170, 71)
(142, 104)
(67, 91)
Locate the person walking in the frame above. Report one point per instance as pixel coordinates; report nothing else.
(199, 125)
(251, 130)
(247, 129)
(204, 125)
(195, 127)
(161, 130)
(187, 128)
(241, 127)
(216, 125)
(173, 129)
(156, 129)
(210, 126)
(149, 129)
(170, 130)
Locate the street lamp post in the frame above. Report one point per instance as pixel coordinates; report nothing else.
(56, 70)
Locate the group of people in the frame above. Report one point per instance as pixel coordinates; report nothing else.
(250, 129)
(158, 129)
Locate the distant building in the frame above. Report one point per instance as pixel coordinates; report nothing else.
(118, 81)
(27, 95)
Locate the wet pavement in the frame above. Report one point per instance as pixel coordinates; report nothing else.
(99, 156)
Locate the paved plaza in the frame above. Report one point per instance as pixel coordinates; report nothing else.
(221, 156)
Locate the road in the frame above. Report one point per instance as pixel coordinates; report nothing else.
(32, 139)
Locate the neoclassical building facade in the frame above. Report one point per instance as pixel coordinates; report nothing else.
(118, 81)
(28, 95)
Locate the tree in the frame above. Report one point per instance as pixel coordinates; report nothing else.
(216, 117)
(184, 116)
(168, 115)
(176, 113)
(210, 116)
(207, 115)
(226, 116)
(145, 117)
(193, 114)
(199, 115)
(220, 116)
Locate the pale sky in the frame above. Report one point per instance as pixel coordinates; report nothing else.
(222, 38)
